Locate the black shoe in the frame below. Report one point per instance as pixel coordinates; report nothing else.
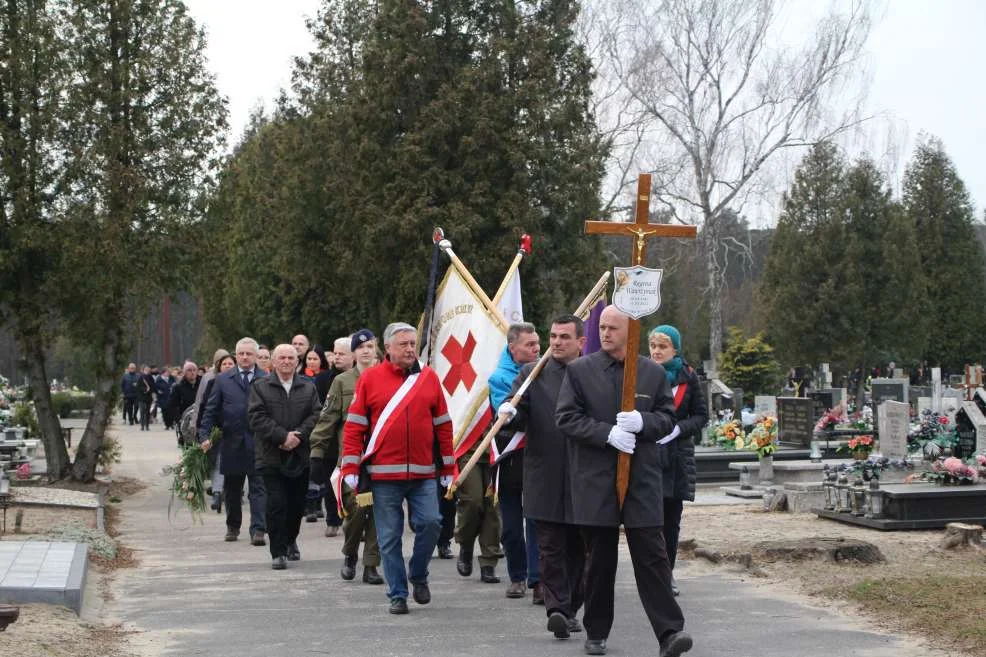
(294, 554)
(487, 575)
(421, 593)
(595, 646)
(231, 535)
(311, 517)
(537, 594)
(370, 575)
(676, 643)
(398, 606)
(558, 624)
(348, 571)
(217, 503)
(574, 625)
(279, 563)
(464, 563)
(445, 551)
(257, 539)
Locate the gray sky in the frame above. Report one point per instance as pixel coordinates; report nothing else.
(926, 60)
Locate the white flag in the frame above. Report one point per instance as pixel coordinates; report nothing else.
(510, 305)
(465, 347)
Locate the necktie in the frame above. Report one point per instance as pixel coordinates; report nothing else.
(246, 378)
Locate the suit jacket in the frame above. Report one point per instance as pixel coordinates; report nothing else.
(546, 487)
(227, 407)
(588, 402)
(273, 413)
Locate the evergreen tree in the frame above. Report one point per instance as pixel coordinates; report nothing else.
(33, 74)
(748, 364)
(801, 282)
(143, 124)
(937, 203)
(471, 116)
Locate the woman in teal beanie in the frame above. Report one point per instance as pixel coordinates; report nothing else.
(692, 415)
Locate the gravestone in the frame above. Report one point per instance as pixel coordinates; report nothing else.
(737, 400)
(970, 423)
(893, 420)
(839, 395)
(823, 401)
(882, 390)
(951, 401)
(765, 405)
(936, 389)
(924, 404)
(795, 421)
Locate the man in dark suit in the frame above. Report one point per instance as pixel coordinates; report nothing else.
(546, 496)
(588, 412)
(227, 407)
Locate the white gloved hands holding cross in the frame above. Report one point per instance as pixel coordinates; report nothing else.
(630, 421)
(622, 440)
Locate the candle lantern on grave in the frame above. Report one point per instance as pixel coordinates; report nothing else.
(874, 499)
(858, 498)
(828, 486)
(842, 491)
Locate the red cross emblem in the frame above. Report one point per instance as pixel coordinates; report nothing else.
(459, 357)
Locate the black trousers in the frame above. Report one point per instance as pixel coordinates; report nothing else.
(562, 561)
(285, 508)
(672, 527)
(650, 569)
(447, 509)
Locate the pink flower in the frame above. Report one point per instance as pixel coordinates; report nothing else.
(943, 419)
(954, 465)
(981, 459)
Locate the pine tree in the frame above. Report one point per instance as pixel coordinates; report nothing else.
(936, 201)
(748, 363)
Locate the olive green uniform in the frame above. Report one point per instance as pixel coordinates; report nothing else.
(326, 441)
(477, 515)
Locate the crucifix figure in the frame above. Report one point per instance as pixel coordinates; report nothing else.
(641, 229)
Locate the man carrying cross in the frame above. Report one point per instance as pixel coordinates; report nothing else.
(588, 413)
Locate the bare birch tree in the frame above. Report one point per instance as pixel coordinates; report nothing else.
(719, 93)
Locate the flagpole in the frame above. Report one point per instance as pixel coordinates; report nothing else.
(501, 420)
(523, 250)
(494, 312)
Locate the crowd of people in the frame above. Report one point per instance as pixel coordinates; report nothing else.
(359, 434)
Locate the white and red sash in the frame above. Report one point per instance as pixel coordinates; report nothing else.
(679, 394)
(397, 403)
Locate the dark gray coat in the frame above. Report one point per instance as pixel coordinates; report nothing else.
(273, 413)
(227, 408)
(692, 415)
(588, 402)
(546, 482)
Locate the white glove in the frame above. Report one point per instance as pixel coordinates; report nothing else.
(445, 481)
(506, 408)
(622, 440)
(630, 421)
(671, 436)
(351, 480)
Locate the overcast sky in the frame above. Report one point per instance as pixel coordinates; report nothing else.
(926, 60)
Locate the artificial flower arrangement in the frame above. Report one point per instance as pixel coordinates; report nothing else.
(831, 418)
(762, 439)
(190, 473)
(859, 447)
(729, 432)
(954, 471)
(933, 435)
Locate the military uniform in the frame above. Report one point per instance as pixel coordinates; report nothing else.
(476, 517)
(327, 444)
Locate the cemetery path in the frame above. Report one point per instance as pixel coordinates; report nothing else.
(193, 594)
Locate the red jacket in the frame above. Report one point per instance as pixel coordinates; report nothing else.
(399, 443)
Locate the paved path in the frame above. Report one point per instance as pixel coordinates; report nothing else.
(193, 594)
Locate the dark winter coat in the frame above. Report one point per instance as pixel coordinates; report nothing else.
(128, 385)
(145, 387)
(227, 407)
(273, 413)
(182, 396)
(692, 415)
(588, 402)
(162, 387)
(510, 470)
(546, 486)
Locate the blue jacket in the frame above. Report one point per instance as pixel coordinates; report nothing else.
(227, 408)
(502, 379)
(163, 389)
(128, 385)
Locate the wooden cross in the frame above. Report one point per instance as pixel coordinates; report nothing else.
(642, 230)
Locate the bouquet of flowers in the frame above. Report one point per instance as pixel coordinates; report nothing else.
(762, 439)
(933, 435)
(832, 417)
(190, 473)
(859, 447)
(729, 433)
(953, 470)
(862, 420)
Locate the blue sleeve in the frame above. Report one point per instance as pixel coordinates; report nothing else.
(212, 408)
(499, 389)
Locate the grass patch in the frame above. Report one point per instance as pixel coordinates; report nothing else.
(949, 610)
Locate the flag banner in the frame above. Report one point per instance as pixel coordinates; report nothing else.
(464, 348)
(592, 328)
(510, 304)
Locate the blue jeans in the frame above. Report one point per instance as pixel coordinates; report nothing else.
(520, 544)
(426, 523)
